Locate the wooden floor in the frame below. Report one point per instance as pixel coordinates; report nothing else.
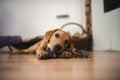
(100, 66)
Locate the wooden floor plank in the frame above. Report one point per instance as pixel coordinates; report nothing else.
(100, 66)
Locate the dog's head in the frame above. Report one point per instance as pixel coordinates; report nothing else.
(58, 41)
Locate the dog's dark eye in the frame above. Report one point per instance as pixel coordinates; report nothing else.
(66, 41)
(48, 41)
(57, 35)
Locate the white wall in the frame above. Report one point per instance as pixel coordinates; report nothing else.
(115, 29)
(35, 17)
(106, 27)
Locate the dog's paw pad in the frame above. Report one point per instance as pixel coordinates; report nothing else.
(43, 56)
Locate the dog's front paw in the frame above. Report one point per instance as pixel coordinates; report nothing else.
(66, 54)
(42, 55)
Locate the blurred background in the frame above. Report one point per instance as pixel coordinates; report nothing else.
(35, 17)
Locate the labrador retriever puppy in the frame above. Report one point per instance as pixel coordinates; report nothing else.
(56, 43)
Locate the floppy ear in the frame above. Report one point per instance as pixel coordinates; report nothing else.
(49, 34)
(45, 40)
(71, 47)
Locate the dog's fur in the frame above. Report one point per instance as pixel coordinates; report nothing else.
(55, 41)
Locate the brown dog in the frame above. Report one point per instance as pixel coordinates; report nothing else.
(56, 43)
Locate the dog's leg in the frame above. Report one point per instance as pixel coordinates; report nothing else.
(42, 54)
(31, 49)
(41, 50)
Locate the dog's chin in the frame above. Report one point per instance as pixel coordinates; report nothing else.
(53, 53)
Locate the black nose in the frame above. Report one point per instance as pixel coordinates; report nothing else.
(57, 47)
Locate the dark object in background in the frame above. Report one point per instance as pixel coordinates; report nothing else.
(82, 43)
(81, 54)
(79, 41)
(111, 4)
(8, 40)
(62, 16)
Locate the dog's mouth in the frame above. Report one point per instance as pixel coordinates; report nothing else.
(53, 54)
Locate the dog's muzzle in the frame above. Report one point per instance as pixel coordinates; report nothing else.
(56, 51)
(57, 48)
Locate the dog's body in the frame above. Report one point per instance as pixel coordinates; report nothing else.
(53, 44)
